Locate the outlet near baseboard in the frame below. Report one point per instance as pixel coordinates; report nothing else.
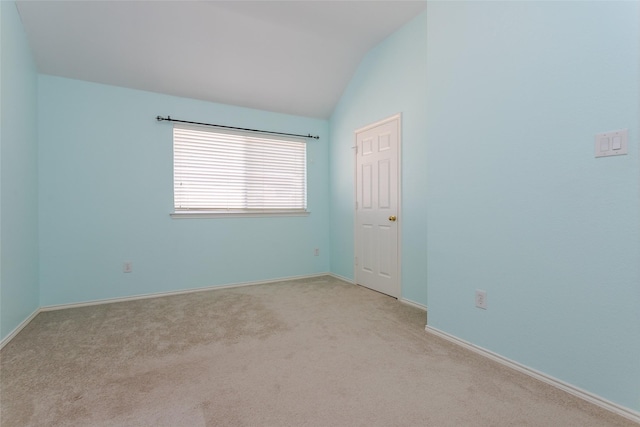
(481, 299)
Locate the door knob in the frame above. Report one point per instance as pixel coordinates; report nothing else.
(392, 218)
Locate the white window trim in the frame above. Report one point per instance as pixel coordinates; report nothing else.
(234, 214)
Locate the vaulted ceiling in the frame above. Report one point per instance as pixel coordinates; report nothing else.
(293, 57)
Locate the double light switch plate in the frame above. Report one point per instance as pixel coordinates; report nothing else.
(614, 143)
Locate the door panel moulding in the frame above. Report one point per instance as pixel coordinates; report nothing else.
(396, 117)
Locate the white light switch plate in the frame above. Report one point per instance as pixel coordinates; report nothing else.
(614, 143)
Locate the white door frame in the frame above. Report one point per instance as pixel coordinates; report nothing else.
(397, 117)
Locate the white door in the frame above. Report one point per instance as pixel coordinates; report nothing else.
(377, 206)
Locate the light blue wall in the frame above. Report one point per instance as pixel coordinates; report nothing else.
(517, 203)
(391, 79)
(106, 194)
(18, 174)
(501, 192)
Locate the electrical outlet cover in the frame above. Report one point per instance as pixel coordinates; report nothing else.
(481, 299)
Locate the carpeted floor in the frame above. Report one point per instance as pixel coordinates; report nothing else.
(312, 352)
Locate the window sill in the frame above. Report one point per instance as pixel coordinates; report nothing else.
(235, 214)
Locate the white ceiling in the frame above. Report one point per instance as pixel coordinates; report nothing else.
(292, 57)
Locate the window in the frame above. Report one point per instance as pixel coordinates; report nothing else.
(230, 172)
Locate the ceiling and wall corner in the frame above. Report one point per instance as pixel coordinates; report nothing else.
(390, 79)
(280, 56)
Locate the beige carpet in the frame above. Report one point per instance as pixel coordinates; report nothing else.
(313, 352)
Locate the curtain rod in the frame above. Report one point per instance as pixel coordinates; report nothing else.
(169, 119)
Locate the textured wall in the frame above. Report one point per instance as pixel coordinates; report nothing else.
(18, 174)
(518, 205)
(390, 80)
(106, 192)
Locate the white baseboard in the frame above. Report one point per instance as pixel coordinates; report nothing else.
(413, 304)
(179, 292)
(18, 328)
(54, 307)
(627, 413)
(344, 279)
(402, 300)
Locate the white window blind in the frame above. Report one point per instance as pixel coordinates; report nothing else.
(228, 171)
